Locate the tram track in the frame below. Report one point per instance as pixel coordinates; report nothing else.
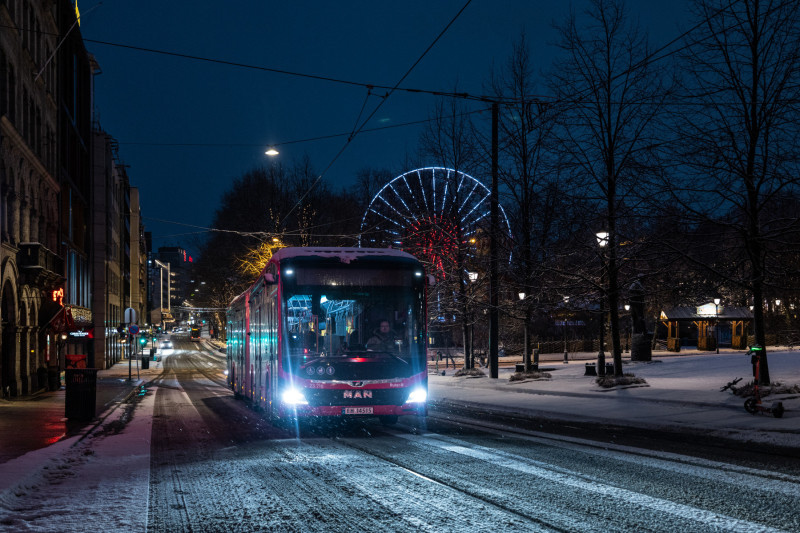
(440, 481)
(774, 484)
(172, 367)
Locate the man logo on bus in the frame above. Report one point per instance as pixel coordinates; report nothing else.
(358, 394)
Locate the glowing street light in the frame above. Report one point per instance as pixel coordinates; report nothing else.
(630, 329)
(272, 152)
(602, 242)
(566, 353)
(526, 356)
(716, 323)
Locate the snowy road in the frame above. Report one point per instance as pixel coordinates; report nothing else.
(186, 456)
(217, 466)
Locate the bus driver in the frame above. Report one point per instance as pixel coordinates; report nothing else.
(383, 338)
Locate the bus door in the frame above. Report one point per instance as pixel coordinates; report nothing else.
(257, 391)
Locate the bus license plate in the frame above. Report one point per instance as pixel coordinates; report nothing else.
(357, 411)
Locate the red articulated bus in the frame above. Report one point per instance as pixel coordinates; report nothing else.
(331, 333)
(195, 335)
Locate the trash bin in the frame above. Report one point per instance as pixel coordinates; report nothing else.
(81, 393)
(153, 353)
(145, 362)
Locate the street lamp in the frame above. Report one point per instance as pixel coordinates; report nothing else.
(628, 310)
(469, 362)
(566, 353)
(272, 152)
(526, 359)
(716, 322)
(602, 242)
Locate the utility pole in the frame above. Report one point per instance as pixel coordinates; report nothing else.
(493, 277)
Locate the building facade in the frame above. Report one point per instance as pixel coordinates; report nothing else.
(138, 260)
(75, 68)
(180, 271)
(158, 294)
(66, 275)
(31, 260)
(110, 218)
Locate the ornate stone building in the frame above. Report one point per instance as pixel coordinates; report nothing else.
(45, 116)
(31, 271)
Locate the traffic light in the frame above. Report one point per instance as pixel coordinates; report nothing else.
(142, 340)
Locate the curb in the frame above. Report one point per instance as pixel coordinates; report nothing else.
(608, 428)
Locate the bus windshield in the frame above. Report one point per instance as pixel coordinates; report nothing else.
(364, 322)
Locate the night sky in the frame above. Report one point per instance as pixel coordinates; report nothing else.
(228, 115)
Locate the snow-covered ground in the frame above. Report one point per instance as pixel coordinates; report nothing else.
(95, 482)
(682, 393)
(100, 481)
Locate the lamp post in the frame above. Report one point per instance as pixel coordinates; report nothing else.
(469, 362)
(526, 355)
(627, 337)
(602, 242)
(566, 353)
(716, 322)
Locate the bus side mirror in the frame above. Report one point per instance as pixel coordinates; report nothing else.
(431, 280)
(269, 278)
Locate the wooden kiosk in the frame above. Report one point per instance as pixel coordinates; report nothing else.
(705, 318)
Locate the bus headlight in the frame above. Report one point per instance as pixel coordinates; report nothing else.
(417, 396)
(293, 397)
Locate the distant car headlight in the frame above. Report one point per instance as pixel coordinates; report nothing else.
(293, 397)
(417, 396)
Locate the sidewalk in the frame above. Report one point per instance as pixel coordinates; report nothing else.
(37, 421)
(682, 394)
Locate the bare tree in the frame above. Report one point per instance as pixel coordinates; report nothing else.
(610, 97)
(738, 138)
(368, 182)
(448, 141)
(527, 175)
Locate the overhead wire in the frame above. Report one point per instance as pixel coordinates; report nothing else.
(652, 57)
(298, 141)
(380, 104)
(649, 59)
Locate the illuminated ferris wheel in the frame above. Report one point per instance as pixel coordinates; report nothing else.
(429, 212)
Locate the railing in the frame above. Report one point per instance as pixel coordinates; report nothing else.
(35, 255)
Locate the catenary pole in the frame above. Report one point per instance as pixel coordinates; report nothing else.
(493, 281)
